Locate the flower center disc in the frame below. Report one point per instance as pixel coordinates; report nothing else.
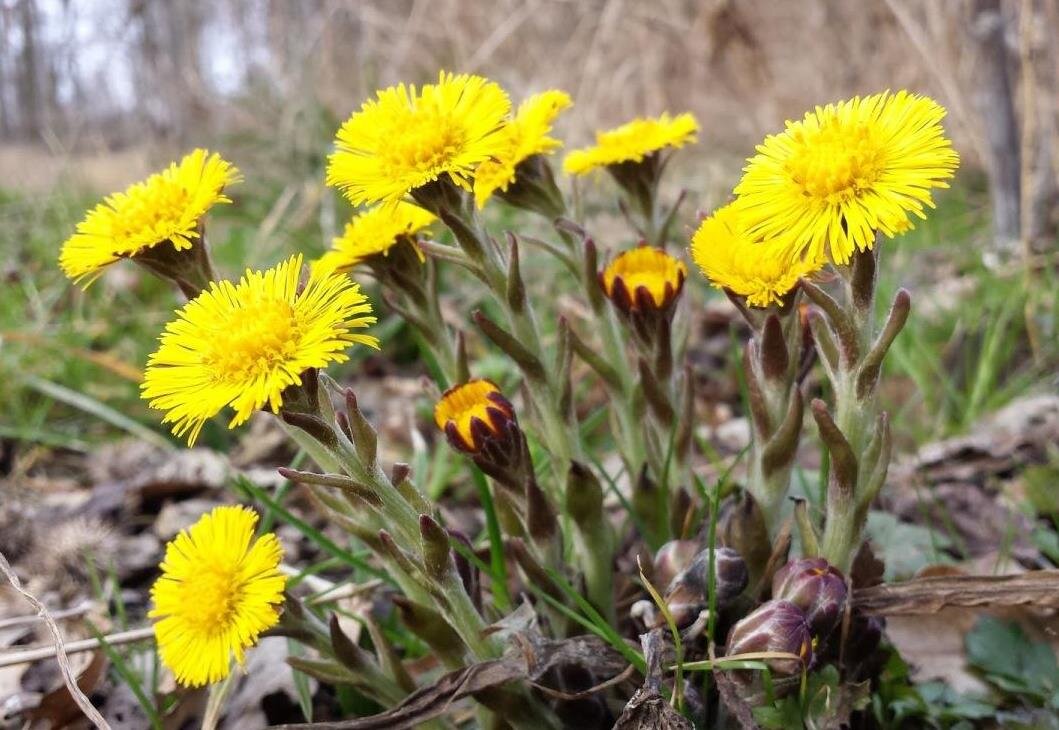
(424, 140)
(158, 204)
(253, 341)
(216, 594)
(836, 161)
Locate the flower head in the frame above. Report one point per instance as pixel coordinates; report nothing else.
(633, 142)
(472, 412)
(405, 138)
(761, 272)
(219, 589)
(374, 232)
(163, 209)
(816, 587)
(524, 136)
(777, 626)
(644, 279)
(241, 345)
(829, 183)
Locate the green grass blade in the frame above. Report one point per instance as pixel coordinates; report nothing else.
(99, 410)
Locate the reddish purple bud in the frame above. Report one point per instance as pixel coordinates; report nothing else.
(778, 626)
(816, 587)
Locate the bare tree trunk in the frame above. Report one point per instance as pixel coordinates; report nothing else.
(993, 97)
(5, 43)
(29, 81)
(1038, 89)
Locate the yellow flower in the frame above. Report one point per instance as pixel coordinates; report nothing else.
(404, 138)
(219, 589)
(241, 345)
(828, 183)
(374, 232)
(524, 136)
(632, 142)
(166, 207)
(472, 412)
(761, 272)
(644, 279)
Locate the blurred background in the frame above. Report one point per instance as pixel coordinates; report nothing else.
(101, 90)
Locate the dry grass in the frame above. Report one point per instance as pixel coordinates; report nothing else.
(743, 66)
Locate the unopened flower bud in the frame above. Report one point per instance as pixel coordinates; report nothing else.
(671, 559)
(688, 594)
(777, 626)
(644, 278)
(816, 587)
(644, 284)
(479, 421)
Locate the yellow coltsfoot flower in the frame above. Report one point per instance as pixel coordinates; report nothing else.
(829, 183)
(406, 138)
(242, 344)
(479, 421)
(220, 588)
(760, 272)
(644, 279)
(633, 142)
(153, 220)
(525, 136)
(472, 412)
(374, 232)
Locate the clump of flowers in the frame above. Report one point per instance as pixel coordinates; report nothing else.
(589, 464)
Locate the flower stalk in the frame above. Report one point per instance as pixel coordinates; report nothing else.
(852, 350)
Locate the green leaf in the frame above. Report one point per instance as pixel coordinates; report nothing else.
(1011, 661)
(904, 548)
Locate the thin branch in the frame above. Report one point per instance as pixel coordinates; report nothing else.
(58, 650)
(76, 647)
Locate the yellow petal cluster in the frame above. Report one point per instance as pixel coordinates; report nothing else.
(219, 589)
(828, 183)
(163, 209)
(632, 142)
(645, 268)
(373, 232)
(524, 135)
(461, 406)
(241, 345)
(406, 137)
(761, 272)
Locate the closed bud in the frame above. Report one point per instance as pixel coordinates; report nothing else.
(365, 440)
(743, 528)
(479, 421)
(671, 559)
(437, 554)
(431, 627)
(644, 284)
(816, 587)
(777, 626)
(688, 593)
(584, 495)
(468, 571)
